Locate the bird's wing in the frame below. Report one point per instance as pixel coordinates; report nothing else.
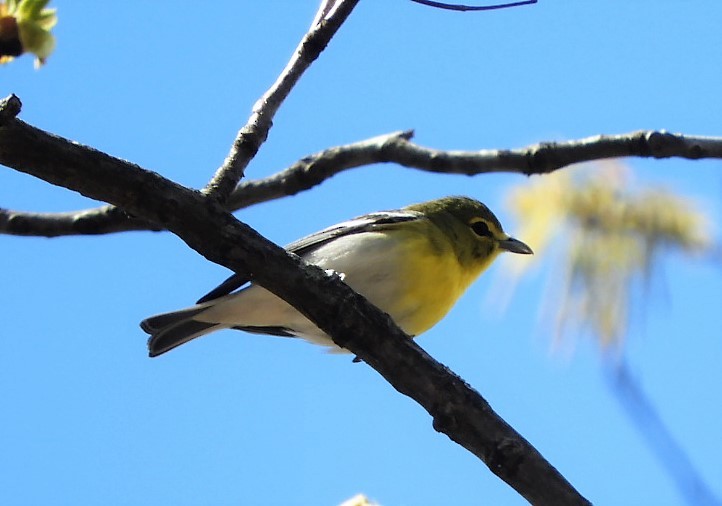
(365, 223)
(311, 242)
(232, 283)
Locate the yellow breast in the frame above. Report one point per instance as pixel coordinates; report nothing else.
(432, 280)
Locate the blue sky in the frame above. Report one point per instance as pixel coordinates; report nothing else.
(242, 419)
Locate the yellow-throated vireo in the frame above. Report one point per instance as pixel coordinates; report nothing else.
(413, 263)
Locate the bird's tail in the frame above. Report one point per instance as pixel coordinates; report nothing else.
(169, 330)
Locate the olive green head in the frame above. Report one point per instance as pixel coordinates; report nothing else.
(472, 228)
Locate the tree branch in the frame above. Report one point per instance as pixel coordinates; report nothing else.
(396, 148)
(457, 410)
(462, 7)
(100, 220)
(547, 157)
(315, 169)
(641, 411)
(328, 20)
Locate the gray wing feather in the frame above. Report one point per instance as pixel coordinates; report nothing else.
(311, 242)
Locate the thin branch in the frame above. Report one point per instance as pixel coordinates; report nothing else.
(460, 7)
(397, 148)
(329, 19)
(100, 220)
(354, 324)
(536, 159)
(315, 169)
(645, 417)
(547, 157)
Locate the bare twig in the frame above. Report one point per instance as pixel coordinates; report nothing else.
(547, 157)
(397, 148)
(638, 406)
(315, 169)
(457, 410)
(329, 19)
(461, 7)
(100, 220)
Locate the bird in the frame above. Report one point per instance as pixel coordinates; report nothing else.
(412, 263)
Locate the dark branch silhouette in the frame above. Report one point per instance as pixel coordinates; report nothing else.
(353, 323)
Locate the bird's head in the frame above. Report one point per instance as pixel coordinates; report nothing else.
(472, 228)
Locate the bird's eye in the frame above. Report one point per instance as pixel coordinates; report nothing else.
(481, 229)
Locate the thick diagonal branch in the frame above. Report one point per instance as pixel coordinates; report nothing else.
(329, 19)
(457, 410)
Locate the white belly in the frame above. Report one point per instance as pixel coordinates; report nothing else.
(370, 263)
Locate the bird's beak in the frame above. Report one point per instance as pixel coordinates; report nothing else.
(515, 246)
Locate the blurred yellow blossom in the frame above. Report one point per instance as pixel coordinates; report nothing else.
(358, 500)
(606, 236)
